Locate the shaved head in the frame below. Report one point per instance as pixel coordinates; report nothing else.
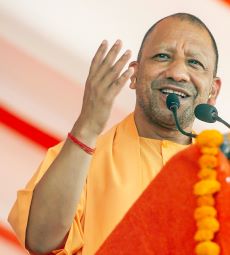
(192, 19)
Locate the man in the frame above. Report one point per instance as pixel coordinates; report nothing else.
(178, 55)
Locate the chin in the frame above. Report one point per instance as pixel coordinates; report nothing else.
(166, 121)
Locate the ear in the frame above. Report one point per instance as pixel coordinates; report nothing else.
(133, 78)
(214, 91)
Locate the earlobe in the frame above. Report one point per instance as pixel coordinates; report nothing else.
(214, 91)
(133, 78)
(133, 82)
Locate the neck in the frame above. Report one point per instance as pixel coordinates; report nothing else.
(151, 130)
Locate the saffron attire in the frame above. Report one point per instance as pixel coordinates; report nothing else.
(121, 168)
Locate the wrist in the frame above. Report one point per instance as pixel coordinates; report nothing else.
(80, 144)
(88, 125)
(85, 133)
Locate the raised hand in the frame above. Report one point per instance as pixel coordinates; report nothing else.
(70, 167)
(104, 82)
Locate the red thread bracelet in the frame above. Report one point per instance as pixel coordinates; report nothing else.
(80, 144)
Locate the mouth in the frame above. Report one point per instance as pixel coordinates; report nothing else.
(181, 94)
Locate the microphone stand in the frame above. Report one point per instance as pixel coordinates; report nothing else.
(222, 121)
(173, 104)
(174, 111)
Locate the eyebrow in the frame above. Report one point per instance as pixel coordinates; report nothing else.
(190, 52)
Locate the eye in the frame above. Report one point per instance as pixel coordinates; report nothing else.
(161, 57)
(195, 63)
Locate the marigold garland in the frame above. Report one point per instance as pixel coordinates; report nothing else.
(205, 211)
(205, 214)
(207, 173)
(206, 200)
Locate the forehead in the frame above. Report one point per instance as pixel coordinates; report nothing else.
(173, 32)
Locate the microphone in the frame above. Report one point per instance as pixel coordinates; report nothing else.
(173, 103)
(208, 113)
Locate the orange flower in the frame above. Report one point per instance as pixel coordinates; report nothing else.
(207, 248)
(210, 150)
(204, 235)
(206, 187)
(206, 200)
(208, 161)
(209, 138)
(204, 211)
(207, 173)
(209, 223)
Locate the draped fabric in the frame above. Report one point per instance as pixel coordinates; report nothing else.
(121, 168)
(162, 219)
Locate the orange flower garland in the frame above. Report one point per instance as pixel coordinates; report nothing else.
(205, 214)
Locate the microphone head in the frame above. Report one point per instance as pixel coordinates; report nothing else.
(172, 101)
(206, 113)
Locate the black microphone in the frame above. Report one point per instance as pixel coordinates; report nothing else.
(173, 103)
(208, 113)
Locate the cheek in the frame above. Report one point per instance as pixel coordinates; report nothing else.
(143, 91)
(203, 85)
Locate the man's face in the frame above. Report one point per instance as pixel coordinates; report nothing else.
(177, 57)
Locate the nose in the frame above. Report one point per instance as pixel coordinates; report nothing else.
(177, 71)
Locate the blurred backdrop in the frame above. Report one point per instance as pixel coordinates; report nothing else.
(45, 53)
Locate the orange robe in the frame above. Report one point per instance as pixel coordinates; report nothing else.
(121, 168)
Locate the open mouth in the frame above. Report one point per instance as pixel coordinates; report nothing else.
(178, 93)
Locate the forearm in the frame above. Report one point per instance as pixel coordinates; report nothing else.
(56, 195)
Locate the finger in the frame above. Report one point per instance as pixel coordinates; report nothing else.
(98, 57)
(109, 59)
(118, 84)
(114, 71)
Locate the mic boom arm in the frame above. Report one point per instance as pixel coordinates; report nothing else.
(173, 104)
(174, 110)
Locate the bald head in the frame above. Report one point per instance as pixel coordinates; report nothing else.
(193, 20)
